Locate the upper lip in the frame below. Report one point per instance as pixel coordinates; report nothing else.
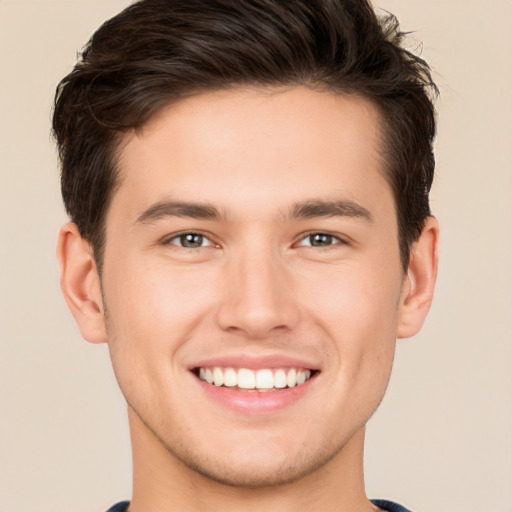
(255, 362)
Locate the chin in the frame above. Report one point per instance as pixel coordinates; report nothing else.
(269, 463)
(255, 472)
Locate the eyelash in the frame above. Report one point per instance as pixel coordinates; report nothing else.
(182, 236)
(331, 238)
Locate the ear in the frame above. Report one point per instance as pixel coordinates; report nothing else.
(80, 283)
(418, 287)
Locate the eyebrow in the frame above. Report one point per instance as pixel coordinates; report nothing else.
(321, 208)
(178, 209)
(303, 210)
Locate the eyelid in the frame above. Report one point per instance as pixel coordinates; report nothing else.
(167, 240)
(339, 239)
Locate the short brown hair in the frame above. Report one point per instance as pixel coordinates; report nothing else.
(158, 51)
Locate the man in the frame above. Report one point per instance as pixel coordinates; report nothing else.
(248, 184)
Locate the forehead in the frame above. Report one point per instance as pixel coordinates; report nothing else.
(242, 147)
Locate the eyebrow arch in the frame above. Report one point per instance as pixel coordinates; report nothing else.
(320, 208)
(303, 210)
(178, 209)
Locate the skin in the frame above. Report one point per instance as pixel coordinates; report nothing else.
(255, 286)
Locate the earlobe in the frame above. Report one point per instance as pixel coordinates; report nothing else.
(80, 283)
(418, 287)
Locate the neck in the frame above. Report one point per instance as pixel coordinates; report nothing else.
(161, 482)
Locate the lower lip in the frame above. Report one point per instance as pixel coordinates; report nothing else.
(255, 402)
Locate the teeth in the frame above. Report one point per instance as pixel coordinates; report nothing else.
(280, 379)
(230, 377)
(263, 379)
(218, 377)
(246, 379)
(291, 378)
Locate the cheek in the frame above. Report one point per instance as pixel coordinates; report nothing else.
(360, 313)
(156, 298)
(354, 300)
(152, 311)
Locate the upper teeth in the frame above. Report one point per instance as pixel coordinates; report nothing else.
(254, 379)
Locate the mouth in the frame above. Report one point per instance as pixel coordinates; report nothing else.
(261, 380)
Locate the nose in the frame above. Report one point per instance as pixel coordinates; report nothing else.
(258, 298)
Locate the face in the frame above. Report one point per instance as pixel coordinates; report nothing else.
(252, 280)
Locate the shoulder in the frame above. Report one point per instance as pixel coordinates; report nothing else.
(119, 507)
(389, 506)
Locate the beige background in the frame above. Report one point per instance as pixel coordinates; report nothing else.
(442, 440)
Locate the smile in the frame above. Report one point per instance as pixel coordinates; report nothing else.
(261, 380)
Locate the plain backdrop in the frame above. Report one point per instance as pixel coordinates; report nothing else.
(442, 439)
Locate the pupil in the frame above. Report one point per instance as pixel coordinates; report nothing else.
(191, 240)
(321, 239)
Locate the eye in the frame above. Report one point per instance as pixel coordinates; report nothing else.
(190, 240)
(320, 240)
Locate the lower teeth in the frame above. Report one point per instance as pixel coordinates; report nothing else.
(255, 390)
